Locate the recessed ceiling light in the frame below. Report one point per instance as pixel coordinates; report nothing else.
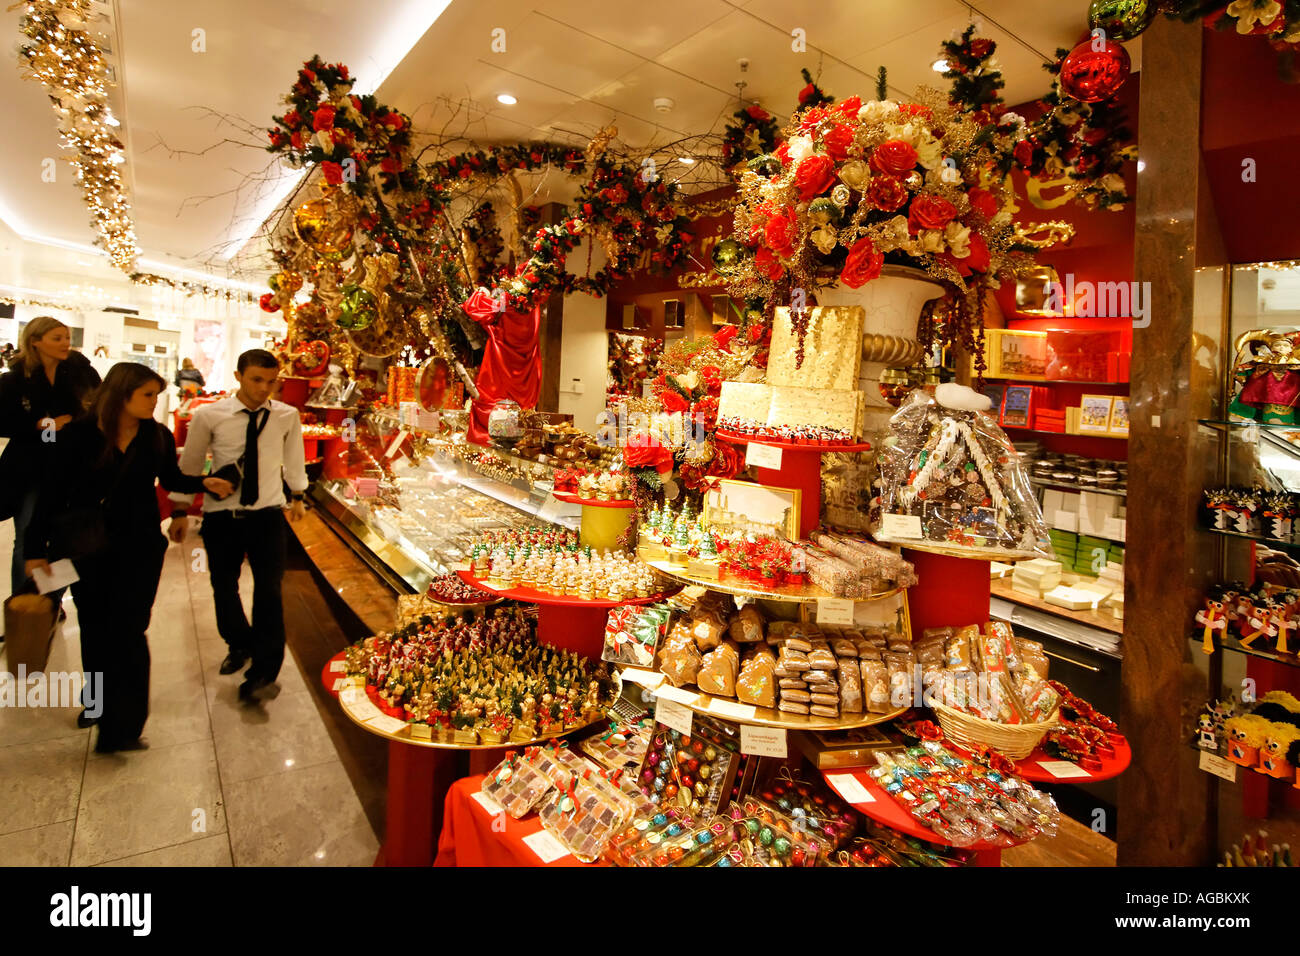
(687, 160)
(940, 65)
(505, 99)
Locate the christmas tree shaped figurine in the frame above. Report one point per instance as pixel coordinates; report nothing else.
(705, 564)
(680, 547)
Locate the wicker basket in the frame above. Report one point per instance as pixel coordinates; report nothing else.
(1016, 741)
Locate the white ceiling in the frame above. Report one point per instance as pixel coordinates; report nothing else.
(200, 184)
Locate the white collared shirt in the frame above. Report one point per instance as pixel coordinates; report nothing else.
(222, 428)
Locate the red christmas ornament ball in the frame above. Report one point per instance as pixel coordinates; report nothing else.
(266, 303)
(1094, 70)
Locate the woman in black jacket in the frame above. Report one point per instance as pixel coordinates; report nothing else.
(47, 386)
(99, 507)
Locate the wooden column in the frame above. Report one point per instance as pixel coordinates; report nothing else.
(550, 334)
(1164, 799)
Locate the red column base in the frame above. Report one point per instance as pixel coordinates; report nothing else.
(573, 627)
(418, 780)
(802, 470)
(950, 592)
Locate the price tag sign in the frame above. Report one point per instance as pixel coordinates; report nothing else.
(763, 456)
(674, 716)
(1219, 766)
(847, 786)
(676, 694)
(901, 526)
(763, 741)
(546, 846)
(487, 803)
(338, 667)
(1063, 769)
(351, 696)
(381, 721)
(648, 679)
(734, 711)
(340, 683)
(835, 611)
(421, 732)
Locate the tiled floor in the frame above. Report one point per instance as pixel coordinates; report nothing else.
(220, 784)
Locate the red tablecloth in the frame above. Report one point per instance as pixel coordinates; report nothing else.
(473, 837)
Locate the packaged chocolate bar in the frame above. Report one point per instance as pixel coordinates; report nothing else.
(822, 658)
(1031, 654)
(900, 668)
(585, 815)
(958, 650)
(516, 785)
(794, 682)
(875, 686)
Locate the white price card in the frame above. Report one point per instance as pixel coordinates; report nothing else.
(674, 716)
(340, 683)
(421, 732)
(338, 667)
(487, 803)
(351, 696)
(57, 574)
(546, 846)
(648, 679)
(676, 694)
(763, 456)
(381, 721)
(1063, 769)
(1219, 766)
(835, 611)
(900, 526)
(402, 435)
(847, 786)
(763, 741)
(731, 710)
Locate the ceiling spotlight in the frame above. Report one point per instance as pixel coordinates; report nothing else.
(505, 99)
(686, 160)
(940, 65)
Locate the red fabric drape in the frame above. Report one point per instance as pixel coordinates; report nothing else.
(512, 362)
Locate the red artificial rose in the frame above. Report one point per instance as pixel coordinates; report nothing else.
(1024, 152)
(980, 47)
(394, 121)
(886, 193)
(292, 118)
(767, 265)
(814, 176)
(390, 165)
(756, 333)
(929, 212)
(806, 92)
(781, 231)
(977, 260)
(862, 265)
(812, 118)
(915, 109)
(343, 71)
(837, 141)
(849, 108)
(672, 401)
(307, 75)
(648, 456)
(722, 338)
(277, 138)
(332, 172)
(894, 156)
(296, 139)
(726, 461)
(783, 154)
(323, 118)
(982, 201)
(758, 114)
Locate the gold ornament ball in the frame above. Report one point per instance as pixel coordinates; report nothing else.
(311, 223)
(914, 180)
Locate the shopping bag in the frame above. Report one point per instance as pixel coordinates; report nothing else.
(29, 631)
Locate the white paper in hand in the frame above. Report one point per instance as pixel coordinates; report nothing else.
(59, 574)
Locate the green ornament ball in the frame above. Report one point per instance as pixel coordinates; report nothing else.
(357, 310)
(1121, 19)
(727, 256)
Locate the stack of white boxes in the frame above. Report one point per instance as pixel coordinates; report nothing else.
(1085, 512)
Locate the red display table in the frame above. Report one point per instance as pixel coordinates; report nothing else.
(949, 591)
(572, 623)
(472, 836)
(1031, 769)
(801, 467)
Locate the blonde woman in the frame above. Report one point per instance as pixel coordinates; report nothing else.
(46, 387)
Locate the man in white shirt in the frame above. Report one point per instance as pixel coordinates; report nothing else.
(257, 443)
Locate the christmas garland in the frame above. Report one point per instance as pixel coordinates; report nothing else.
(1278, 21)
(752, 133)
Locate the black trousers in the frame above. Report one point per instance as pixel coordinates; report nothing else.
(114, 599)
(259, 536)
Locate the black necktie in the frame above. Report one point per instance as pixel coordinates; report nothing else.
(248, 484)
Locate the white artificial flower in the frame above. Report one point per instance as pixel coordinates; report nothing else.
(801, 147)
(1011, 119)
(957, 237)
(930, 240)
(325, 140)
(929, 151)
(1248, 12)
(1112, 182)
(824, 240)
(855, 174)
(689, 380)
(876, 110)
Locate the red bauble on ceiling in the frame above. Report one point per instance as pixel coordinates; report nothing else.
(267, 303)
(1094, 70)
